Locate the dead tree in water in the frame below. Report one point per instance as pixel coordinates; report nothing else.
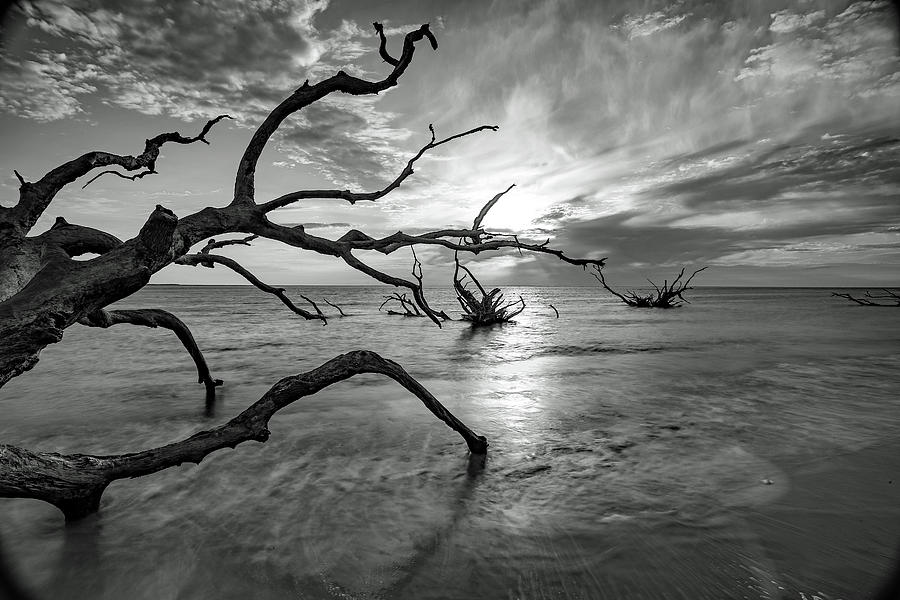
(490, 309)
(43, 290)
(410, 309)
(871, 299)
(408, 306)
(333, 305)
(669, 295)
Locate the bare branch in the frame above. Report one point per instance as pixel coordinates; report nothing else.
(490, 309)
(155, 317)
(870, 298)
(409, 307)
(598, 275)
(315, 307)
(391, 280)
(554, 310)
(207, 260)
(329, 303)
(382, 48)
(399, 240)
(417, 273)
(74, 483)
(476, 225)
(354, 197)
(213, 244)
(20, 178)
(669, 295)
(244, 183)
(112, 172)
(35, 197)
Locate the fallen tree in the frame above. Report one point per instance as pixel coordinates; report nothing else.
(870, 299)
(43, 290)
(488, 309)
(669, 295)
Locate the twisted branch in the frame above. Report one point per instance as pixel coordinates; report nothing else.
(354, 197)
(35, 197)
(74, 483)
(134, 177)
(244, 184)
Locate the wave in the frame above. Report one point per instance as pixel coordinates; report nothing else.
(581, 349)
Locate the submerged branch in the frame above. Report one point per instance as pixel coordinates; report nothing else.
(871, 299)
(669, 295)
(74, 483)
(490, 309)
(155, 317)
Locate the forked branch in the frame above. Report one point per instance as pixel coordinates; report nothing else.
(408, 306)
(35, 197)
(870, 299)
(245, 179)
(354, 197)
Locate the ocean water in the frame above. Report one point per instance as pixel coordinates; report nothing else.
(744, 446)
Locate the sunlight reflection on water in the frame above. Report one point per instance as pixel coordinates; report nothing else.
(623, 443)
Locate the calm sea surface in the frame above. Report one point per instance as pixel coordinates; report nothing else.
(627, 459)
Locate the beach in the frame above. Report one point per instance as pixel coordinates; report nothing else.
(743, 446)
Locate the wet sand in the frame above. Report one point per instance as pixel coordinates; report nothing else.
(838, 521)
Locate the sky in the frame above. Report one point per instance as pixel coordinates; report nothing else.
(758, 138)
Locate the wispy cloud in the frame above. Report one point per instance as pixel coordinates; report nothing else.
(743, 135)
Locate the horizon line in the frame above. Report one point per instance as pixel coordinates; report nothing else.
(384, 285)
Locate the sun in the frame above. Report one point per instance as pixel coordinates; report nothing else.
(517, 211)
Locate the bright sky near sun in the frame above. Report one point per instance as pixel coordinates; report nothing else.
(759, 138)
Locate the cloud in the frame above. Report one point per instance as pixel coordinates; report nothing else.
(694, 132)
(352, 144)
(186, 60)
(45, 88)
(655, 132)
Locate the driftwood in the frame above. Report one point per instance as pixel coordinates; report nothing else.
(333, 305)
(669, 295)
(74, 483)
(155, 317)
(490, 308)
(410, 307)
(43, 290)
(407, 306)
(870, 299)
